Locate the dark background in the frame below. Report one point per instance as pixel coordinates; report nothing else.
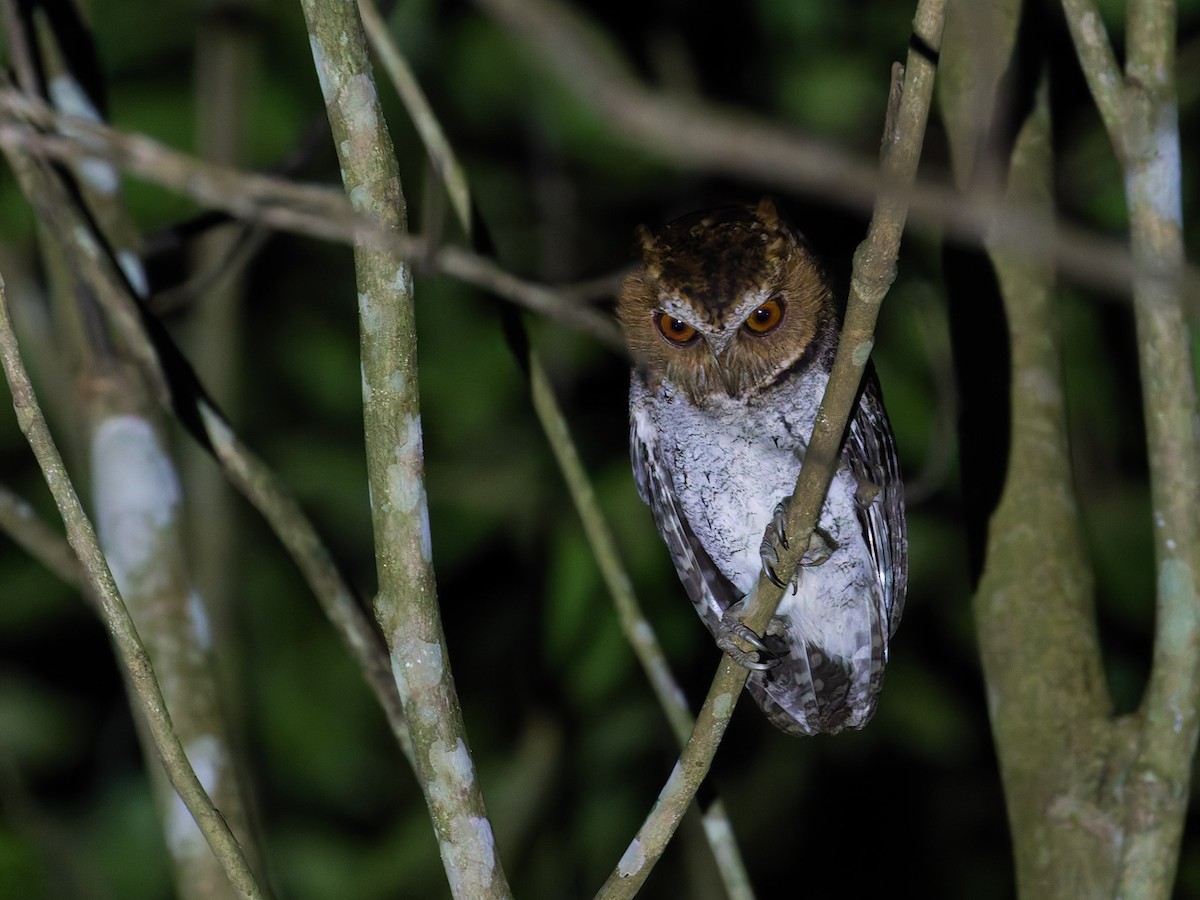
(569, 743)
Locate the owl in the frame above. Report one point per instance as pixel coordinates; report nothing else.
(732, 327)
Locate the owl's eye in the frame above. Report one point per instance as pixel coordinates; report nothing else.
(677, 331)
(766, 318)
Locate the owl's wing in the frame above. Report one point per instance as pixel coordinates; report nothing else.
(870, 452)
(710, 591)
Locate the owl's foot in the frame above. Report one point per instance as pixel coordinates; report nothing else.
(733, 630)
(820, 546)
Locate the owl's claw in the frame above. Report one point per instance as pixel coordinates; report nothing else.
(733, 629)
(820, 546)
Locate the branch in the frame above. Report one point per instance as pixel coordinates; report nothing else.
(1099, 65)
(22, 523)
(257, 483)
(1160, 781)
(636, 628)
(707, 138)
(406, 606)
(311, 210)
(137, 663)
(874, 268)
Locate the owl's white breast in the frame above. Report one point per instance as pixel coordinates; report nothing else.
(731, 462)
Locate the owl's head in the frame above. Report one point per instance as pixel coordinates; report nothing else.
(724, 302)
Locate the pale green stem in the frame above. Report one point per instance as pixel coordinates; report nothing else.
(406, 606)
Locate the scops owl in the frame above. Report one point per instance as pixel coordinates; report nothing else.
(732, 327)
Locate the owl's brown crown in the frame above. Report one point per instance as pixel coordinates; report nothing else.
(725, 301)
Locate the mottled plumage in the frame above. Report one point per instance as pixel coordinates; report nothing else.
(732, 327)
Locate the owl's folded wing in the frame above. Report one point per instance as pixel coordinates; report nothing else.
(710, 591)
(870, 452)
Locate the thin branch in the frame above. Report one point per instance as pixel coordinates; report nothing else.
(317, 211)
(23, 524)
(428, 127)
(704, 137)
(312, 210)
(248, 474)
(554, 303)
(874, 269)
(634, 624)
(137, 663)
(406, 606)
(296, 532)
(1099, 64)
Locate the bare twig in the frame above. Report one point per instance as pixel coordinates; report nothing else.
(874, 269)
(22, 523)
(704, 137)
(312, 210)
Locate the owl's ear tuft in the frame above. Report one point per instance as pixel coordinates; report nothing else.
(777, 235)
(652, 250)
(766, 213)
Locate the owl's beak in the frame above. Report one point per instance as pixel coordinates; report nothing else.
(719, 346)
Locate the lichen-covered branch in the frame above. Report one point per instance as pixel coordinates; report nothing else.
(83, 541)
(406, 605)
(1159, 783)
(635, 626)
(259, 485)
(874, 268)
(138, 505)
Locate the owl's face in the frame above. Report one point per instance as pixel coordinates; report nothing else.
(724, 302)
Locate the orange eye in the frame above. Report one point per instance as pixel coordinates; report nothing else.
(766, 318)
(677, 331)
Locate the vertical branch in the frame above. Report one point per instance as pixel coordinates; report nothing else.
(1140, 112)
(406, 606)
(637, 629)
(1153, 185)
(212, 332)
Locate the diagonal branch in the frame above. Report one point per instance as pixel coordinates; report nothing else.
(22, 523)
(137, 663)
(295, 531)
(874, 269)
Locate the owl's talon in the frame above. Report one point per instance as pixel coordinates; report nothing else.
(769, 570)
(733, 629)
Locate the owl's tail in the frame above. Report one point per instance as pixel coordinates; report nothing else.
(815, 692)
